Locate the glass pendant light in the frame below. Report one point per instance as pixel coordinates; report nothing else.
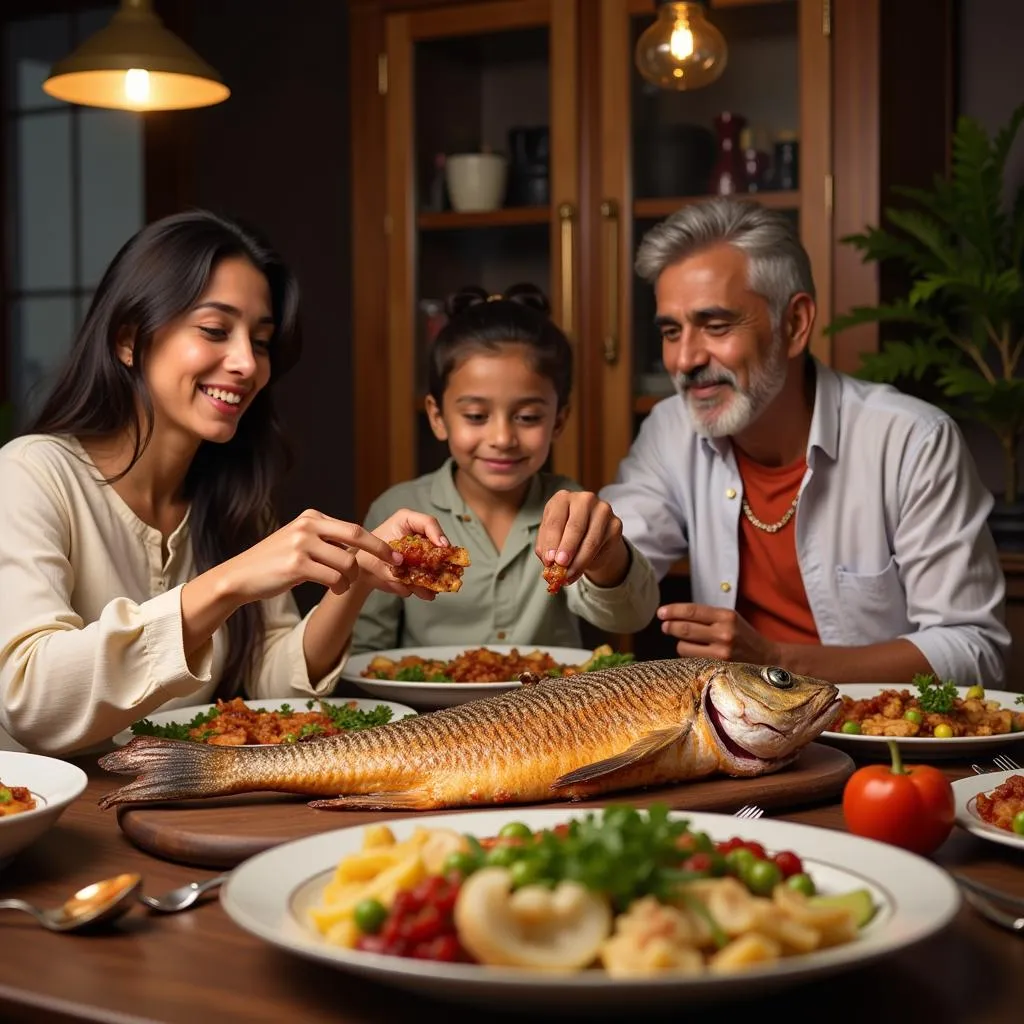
(136, 64)
(682, 49)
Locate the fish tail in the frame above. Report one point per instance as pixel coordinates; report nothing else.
(170, 770)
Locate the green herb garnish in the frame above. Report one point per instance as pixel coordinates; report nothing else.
(6, 796)
(1019, 700)
(621, 851)
(934, 697)
(175, 730)
(609, 661)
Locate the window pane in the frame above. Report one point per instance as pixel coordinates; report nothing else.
(42, 249)
(30, 48)
(41, 335)
(110, 184)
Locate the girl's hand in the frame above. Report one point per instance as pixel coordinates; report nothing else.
(401, 524)
(581, 532)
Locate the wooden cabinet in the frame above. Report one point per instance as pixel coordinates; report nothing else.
(434, 78)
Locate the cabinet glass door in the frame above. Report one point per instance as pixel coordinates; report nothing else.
(760, 130)
(481, 181)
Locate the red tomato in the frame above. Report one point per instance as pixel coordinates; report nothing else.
(912, 808)
(788, 863)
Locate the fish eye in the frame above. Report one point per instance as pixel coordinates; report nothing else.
(777, 677)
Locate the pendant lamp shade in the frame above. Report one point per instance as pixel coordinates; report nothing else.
(135, 64)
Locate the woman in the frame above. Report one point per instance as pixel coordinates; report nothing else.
(138, 564)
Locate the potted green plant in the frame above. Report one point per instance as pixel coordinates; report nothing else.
(961, 319)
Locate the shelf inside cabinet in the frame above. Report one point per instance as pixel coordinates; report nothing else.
(655, 209)
(509, 216)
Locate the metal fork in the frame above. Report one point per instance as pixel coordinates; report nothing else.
(1006, 763)
(749, 812)
(990, 911)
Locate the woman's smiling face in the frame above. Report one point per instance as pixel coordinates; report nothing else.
(205, 367)
(499, 417)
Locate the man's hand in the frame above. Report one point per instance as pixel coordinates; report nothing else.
(703, 631)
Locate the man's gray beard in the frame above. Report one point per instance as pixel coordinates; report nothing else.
(743, 407)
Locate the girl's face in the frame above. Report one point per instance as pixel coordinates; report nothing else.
(499, 417)
(205, 367)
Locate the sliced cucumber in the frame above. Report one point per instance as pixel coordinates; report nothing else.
(858, 901)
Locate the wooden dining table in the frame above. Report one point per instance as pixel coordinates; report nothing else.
(199, 966)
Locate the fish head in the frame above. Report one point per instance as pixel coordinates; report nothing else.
(764, 713)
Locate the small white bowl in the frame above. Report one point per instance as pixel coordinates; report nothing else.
(54, 784)
(476, 181)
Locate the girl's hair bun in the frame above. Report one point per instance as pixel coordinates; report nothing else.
(529, 295)
(458, 303)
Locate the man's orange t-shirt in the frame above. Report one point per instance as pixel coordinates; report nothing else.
(771, 590)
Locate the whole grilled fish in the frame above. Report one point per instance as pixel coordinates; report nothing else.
(644, 724)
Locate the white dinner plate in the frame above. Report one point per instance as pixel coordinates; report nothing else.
(269, 895)
(966, 791)
(442, 695)
(921, 746)
(52, 782)
(178, 716)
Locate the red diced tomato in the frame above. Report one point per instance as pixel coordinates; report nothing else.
(788, 863)
(698, 862)
(425, 925)
(756, 849)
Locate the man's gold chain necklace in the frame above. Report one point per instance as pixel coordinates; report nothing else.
(770, 527)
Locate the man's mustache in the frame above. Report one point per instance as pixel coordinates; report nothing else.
(704, 376)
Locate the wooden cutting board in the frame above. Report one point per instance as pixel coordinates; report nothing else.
(223, 831)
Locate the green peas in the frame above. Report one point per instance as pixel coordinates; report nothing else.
(761, 877)
(460, 862)
(1018, 823)
(976, 692)
(739, 860)
(524, 872)
(802, 883)
(369, 915)
(853, 728)
(515, 830)
(501, 856)
(943, 731)
(913, 715)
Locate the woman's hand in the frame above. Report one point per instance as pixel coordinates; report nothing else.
(312, 548)
(581, 532)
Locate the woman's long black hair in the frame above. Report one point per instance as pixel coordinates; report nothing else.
(157, 276)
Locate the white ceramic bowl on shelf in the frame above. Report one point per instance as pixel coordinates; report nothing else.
(476, 181)
(54, 783)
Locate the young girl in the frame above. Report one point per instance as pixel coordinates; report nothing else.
(500, 375)
(138, 567)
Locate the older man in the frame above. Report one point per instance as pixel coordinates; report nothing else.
(833, 526)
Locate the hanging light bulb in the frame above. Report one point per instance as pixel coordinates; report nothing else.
(135, 63)
(682, 49)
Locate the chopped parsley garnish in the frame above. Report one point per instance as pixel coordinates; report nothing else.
(6, 796)
(934, 697)
(609, 661)
(621, 851)
(174, 730)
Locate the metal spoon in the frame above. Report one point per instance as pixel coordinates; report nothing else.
(183, 897)
(96, 903)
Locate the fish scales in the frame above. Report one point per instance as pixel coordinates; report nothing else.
(639, 724)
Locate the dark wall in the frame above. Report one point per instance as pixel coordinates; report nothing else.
(276, 153)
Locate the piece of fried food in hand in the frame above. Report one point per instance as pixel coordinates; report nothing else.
(555, 575)
(427, 565)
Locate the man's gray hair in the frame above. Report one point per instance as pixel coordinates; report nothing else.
(779, 264)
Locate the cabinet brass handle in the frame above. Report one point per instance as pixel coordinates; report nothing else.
(566, 215)
(610, 215)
